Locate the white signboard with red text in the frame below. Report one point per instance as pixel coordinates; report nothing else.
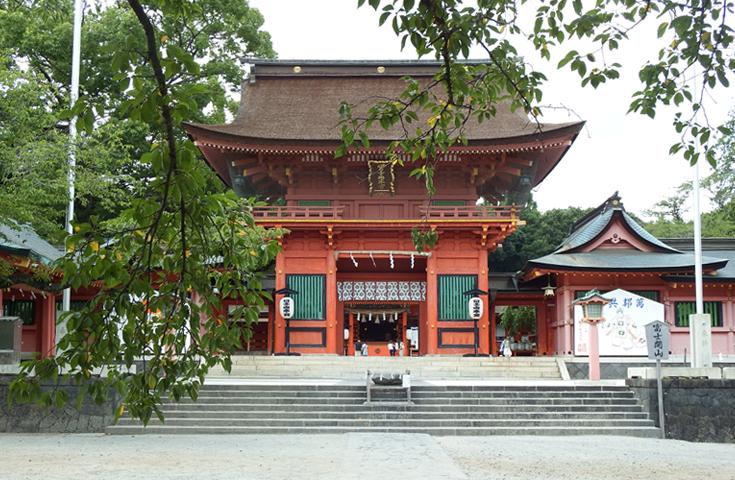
(623, 333)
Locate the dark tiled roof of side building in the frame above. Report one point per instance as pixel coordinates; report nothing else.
(591, 225)
(24, 241)
(711, 247)
(664, 257)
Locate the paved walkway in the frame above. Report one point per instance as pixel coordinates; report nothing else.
(358, 457)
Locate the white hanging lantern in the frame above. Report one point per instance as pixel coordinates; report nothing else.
(286, 307)
(475, 307)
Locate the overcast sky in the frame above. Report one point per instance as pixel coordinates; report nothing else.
(627, 153)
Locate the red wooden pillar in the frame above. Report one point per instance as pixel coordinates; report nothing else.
(568, 317)
(423, 328)
(279, 322)
(332, 328)
(542, 330)
(483, 324)
(270, 331)
(432, 305)
(404, 329)
(47, 326)
(493, 331)
(351, 341)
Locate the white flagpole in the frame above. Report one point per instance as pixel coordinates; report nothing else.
(74, 96)
(698, 290)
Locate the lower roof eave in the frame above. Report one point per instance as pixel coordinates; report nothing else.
(691, 279)
(653, 270)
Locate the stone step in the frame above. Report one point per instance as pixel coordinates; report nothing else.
(510, 430)
(354, 408)
(302, 370)
(210, 393)
(424, 423)
(416, 388)
(430, 360)
(525, 400)
(245, 400)
(404, 415)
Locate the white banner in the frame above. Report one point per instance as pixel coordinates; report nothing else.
(623, 333)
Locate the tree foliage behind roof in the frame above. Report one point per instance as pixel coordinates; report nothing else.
(542, 234)
(35, 49)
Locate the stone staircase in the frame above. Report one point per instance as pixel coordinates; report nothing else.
(436, 410)
(429, 367)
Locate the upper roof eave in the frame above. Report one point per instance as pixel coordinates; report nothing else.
(199, 130)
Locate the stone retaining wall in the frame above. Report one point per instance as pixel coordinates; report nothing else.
(27, 418)
(578, 370)
(697, 410)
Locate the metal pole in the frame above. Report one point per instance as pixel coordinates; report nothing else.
(661, 419)
(694, 330)
(697, 245)
(477, 334)
(288, 336)
(74, 96)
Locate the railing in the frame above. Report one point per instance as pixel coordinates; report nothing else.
(291, 212)
(479, 212)
(472, 211)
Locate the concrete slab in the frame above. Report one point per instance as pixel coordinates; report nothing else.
(359, 457)
(728, 373)
(9, 368)
(650, 372)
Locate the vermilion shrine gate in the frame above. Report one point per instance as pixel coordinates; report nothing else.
(349, 252)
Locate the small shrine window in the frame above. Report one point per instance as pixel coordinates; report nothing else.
(23, 309)
(682, 310)
(452, 300)
(310, 301)
(314, 203)
(448, 203)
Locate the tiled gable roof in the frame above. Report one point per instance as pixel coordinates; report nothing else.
(24, 241)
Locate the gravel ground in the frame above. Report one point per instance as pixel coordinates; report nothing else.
(358, 456)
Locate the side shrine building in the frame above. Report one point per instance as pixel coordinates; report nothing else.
(349, 252)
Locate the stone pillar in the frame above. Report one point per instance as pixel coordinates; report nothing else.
(594, 352)
(47, 326)
(700, 340)
(331, 314)
(483, 324)
(279, 322)
(432, 305)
